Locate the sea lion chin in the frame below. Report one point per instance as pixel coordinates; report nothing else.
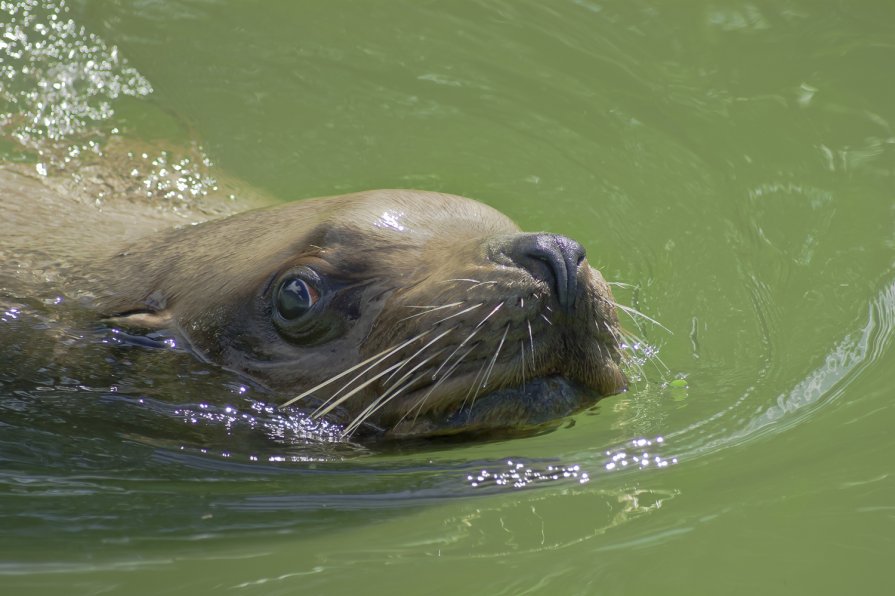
(396, 312)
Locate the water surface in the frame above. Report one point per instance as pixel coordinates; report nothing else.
(731, 163)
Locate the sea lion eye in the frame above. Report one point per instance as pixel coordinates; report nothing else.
(295, 297)
(306, 307)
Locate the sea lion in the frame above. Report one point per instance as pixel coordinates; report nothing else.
(395, 312)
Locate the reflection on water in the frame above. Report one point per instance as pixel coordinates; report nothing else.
(538, 523)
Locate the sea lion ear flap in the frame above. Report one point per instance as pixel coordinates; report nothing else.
(143, 320)
(151, 314)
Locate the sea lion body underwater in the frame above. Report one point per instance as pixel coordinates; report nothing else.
(395, 312)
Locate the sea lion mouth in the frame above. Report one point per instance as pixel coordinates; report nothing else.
(540, 403)
(486, 395)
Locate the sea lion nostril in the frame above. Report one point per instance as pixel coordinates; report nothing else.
(552, 258)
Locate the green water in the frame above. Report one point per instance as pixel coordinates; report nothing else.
(734, 162)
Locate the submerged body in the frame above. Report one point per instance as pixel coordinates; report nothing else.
(402, 312)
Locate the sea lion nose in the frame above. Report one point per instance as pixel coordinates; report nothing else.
(551, 258)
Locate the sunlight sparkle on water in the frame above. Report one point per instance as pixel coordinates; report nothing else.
(519, 475)
(636, 455)
(265, 418)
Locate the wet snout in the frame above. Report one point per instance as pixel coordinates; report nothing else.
(550, 258)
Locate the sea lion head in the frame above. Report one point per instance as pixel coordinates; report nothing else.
(414, 313)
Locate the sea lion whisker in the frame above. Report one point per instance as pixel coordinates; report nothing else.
(460, 313)
(473, 386)
(616, 335)
(355, 378)
(630, 336)
(633, 340)
(546, 319)
(621, 284)
(377, 358)
(653, 357)
(627, 340)
(419, 405)
(660, 365)
(420, 351)
(474, 281)
(636, 364)
(488, 316)
(389, 394)
(494, 358)
(478, 388)
(630, 311)
(481, 283)
(333, 403)
(432, 306)
(522, 358)
(619, 339)
(628, 358)
(531, 341)
(468, 337)
(457, 349)
(430, 309)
